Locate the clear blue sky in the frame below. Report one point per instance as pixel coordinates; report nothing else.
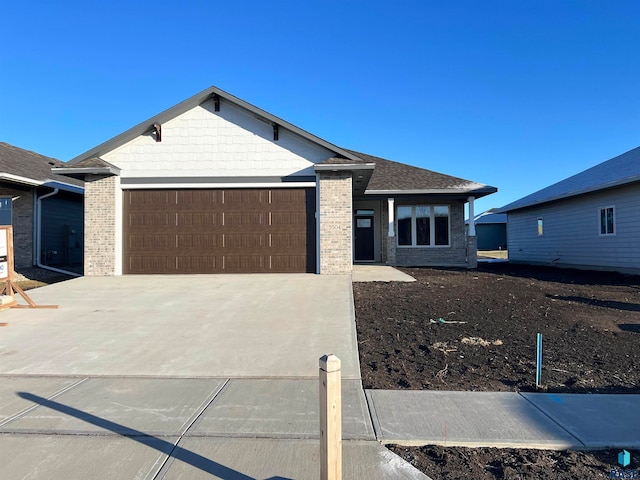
(517, 94)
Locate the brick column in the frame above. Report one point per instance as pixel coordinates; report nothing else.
(100, 225)
(335, 209)
(472, 252)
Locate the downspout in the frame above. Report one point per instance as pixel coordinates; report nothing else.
(39, 236)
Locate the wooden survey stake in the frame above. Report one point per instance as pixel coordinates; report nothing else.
(7, 275)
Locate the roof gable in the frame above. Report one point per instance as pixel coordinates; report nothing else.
(211, 94)
(616, 171)
(225, 142)
(30, 168)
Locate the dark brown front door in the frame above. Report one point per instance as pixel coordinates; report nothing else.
(364, 239)
(219, 231)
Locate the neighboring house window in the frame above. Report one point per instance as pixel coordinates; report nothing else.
(423, 225)
(5, 211)
(607, 220)
(540, 226)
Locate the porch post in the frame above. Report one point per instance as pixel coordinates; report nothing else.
(391, 238)
(392, 232)
(472, 223)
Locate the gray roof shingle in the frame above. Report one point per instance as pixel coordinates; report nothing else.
(31, 165)
(390, 176)
(616, 171)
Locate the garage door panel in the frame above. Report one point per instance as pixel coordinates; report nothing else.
(298, 219)
(152, 263)
(199, 242)
(293, 240)
(217, 231)
(287, 263)
(198, 264)
(152, 197)
(243, 240)
(245, 263)
(149, 219)
(241, 219)
(189, 219)
(200, 199)
(284, 197)
(148, 242)
(248, 198)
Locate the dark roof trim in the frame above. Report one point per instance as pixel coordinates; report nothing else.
(188, 104)
(335, 167)
(477, 192)
(67, 187)
(81, 172)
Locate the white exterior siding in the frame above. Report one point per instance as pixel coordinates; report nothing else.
(571, 235)
(229, 143)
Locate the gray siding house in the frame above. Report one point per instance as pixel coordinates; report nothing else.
(491, 230)
(44, 208)
(590, 220)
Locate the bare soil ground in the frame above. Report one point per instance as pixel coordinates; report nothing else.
(28, 278)
(441, 463)
(476, 330)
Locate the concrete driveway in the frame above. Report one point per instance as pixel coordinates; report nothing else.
(162, 377)
(184, 326)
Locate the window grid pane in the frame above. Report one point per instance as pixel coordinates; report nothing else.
(441, 221)
(404, 226)
(423, 225)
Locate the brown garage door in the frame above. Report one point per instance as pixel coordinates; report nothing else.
(219, 231)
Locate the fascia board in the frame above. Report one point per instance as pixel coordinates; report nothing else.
(328, 167)
(563, 196)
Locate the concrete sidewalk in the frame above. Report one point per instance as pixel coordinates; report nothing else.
(176, 428)
(505, 419)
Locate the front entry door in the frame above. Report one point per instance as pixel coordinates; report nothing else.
(364, 239)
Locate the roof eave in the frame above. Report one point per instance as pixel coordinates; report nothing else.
(564, 196)
(336, 167)
(81, 172)
(477, 192)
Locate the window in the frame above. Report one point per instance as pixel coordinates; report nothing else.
(607, 220)
(540, 227)
(5, 211)
(423, 225)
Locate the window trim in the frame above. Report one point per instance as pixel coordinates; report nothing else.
(615, 228)
(540, 226)
(432, 226)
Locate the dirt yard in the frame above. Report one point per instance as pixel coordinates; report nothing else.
(476, 330)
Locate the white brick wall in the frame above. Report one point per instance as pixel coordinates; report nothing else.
(228, 143)
(336, 231)
(100, 225)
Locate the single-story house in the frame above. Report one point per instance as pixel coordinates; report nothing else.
(590, 220)
(215, 184)
(44, 208)
(491, 230)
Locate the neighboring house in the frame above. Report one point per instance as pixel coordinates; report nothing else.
(590, 220)
(45, 209)
(491, 230)
(215, 184)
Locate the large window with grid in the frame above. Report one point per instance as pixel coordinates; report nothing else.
(423, 225)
